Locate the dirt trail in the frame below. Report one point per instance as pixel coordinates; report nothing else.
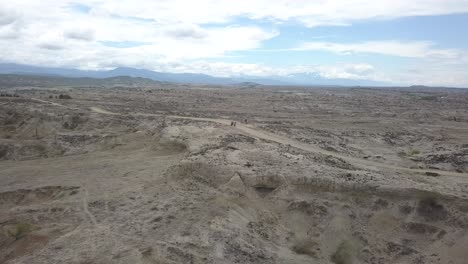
(261, 134)
(85, 206)
(102, 111)
(257, 133)
(52, 103)
(47, 102)
(353, 160)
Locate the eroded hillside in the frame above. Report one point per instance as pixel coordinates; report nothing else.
(306, 176)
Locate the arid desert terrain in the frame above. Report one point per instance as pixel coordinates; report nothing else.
(157, 174)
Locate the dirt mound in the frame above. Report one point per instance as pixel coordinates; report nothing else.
(32, 150)
(200, 172)
(12, 248)
(264, 185)
(169, 148)
(308, 208)
(77, 143)
(319, 220)
(458, 160)
(431, 209)
(35, 196)
(61, 144)
(74, 121)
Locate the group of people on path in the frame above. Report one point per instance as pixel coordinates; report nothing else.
(234, 123)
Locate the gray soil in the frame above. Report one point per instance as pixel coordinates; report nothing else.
(158, 175)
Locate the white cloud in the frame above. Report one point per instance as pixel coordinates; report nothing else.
(186, 32)
(10, 23)
(6, 18)
(52, 24)
(415, 49)
(86, 34)
(351, 71)
(312, 13)
(10, 32)
(359, 71)
(430, 65)
(181, 35)
(50, 46)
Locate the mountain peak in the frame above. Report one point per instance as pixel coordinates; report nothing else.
(305, 78)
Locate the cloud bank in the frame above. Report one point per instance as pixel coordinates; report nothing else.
(203, 36)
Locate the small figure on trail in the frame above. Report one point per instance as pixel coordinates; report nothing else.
(232, 123)
(235, 123)
(245, 121)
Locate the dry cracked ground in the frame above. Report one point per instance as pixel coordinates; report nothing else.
(158, 175)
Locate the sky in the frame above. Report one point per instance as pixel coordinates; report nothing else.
(402, 42)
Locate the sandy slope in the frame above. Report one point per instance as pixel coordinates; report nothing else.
(258, 133)
(103, 180)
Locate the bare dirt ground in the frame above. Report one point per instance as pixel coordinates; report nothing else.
(306, 176)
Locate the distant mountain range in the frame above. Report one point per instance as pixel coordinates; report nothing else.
(193, 78)
(18, 80)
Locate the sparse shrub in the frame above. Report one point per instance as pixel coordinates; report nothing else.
(64, 96)
(344, 253)
(73, 122)
(11, 118)
(406, 209)
(414, 152)
(420, 228)
(9, 95)
(380, 204)
(4, 149)
(431, 210)
(401, 154)
(430, 97)
(432, 174)
(398, 249)
(20, 230)
(305, 247)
